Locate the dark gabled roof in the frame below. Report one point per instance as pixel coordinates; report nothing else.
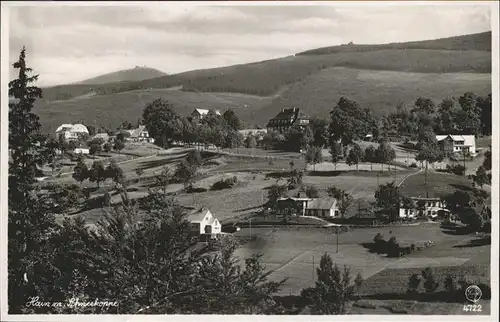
(288, 114)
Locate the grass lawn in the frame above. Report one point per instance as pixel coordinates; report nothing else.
(438, 184)
(294, 252)
(395, 280)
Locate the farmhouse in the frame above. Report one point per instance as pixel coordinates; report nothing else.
(140, 134)
(287, 118)
(199, 113)
(294, 206)
(450, 144)
(322, 207)
(71, 131)
(425, 207)
(303, 206)
(203, 223)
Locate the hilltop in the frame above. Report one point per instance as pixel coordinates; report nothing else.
(378, 78)
(480, 41)
(138, 73)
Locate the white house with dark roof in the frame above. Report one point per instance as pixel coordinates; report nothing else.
(431, 207)
(204, 223)
(322, 207)
(71, 131)
(140, 134)
(450, 144)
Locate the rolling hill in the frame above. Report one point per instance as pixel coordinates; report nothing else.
(379, 90)
(128, 75)
(378, 78)
(479, 41)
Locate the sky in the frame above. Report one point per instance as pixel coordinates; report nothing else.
(67, 44)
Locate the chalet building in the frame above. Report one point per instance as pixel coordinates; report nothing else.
(294, 206)
(450, 144)
(140, 134)
(71, 132)
(204, 224)
(322, 207)
(424, 207)
(199, 113)
(304, 206)
(287, 118)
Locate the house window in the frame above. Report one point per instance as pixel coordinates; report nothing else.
(406, 211)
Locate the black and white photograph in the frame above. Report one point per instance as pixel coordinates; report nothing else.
(249, 158)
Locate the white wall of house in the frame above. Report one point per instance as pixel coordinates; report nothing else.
(207, 221)
(430, 208)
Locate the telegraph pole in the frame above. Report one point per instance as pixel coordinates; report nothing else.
(313, 270)
(337, 239)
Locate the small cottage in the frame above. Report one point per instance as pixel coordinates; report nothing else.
(204, 224)
(322, 207)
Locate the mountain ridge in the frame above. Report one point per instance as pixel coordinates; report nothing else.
(138, 73)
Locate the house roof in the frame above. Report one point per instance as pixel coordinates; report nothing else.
(79, 128)
(198, 216)
(136, 132)
(64, 127)
(469, 140)
(294, 199)
(288, 114)
(322, 203)
(203, 111)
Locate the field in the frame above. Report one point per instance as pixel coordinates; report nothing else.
(438, 184)
(380, 90)
(113, 109)
(295, 252)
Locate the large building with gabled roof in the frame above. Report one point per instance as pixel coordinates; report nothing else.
(287, 118)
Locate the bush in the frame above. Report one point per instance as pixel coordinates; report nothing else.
(414, 283)
(380, 243)
(450, 286)
(224, 183)
(393, 249)
(107, 199)
(413, 165)
(430, 283)
(456, 169)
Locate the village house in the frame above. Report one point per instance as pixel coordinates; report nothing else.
(204, 224)
(424, 207)
(287, 118)
(71, 132)
(140, 134)
(293, 206)
(451, 144)
(199, 113)
(322, 207)
(325, 207)
(103, 136)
